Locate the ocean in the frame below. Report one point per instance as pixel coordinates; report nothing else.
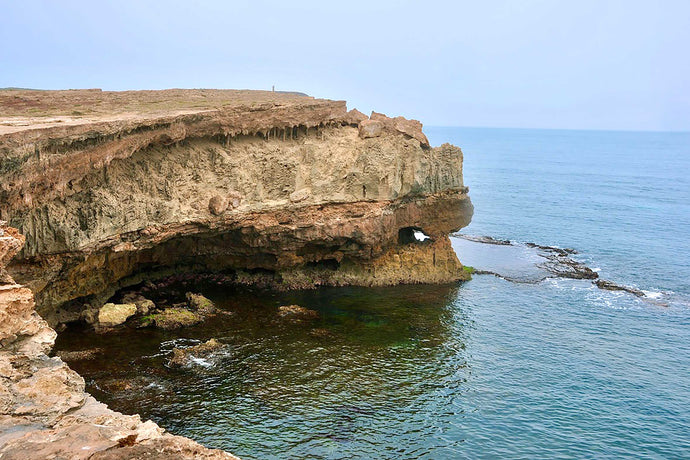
(490, 368)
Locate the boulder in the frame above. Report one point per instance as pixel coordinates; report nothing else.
(370, 128)
(217, 205)
(112, 314)
(200, 304)
(174, 318)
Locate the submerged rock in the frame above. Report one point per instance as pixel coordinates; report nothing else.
(173, 318)
(183, 356)
(296, 313)
(112, 314)
(80, 355)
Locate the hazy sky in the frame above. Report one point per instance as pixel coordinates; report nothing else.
(551, 64)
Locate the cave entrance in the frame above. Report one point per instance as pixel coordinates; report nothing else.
(410, 235)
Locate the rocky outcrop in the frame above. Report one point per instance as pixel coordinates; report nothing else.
(288, 191)
(44, 410)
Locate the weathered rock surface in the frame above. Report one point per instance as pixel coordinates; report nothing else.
(44, 411)
(201, 304)
(279, 189)
(112, 314)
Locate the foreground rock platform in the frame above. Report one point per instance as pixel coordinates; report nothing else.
(44, 410)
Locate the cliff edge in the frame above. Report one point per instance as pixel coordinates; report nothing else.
(281, 189)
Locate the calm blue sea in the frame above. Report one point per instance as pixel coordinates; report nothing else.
(485, 369)
(561, 368)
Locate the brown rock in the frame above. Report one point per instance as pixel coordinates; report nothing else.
(181, 356)
(355, 117)
(44, 411)
(217, 205)
(296, 313)
(370, 128)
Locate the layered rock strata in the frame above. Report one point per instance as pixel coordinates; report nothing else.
(284, 190)
(44, 410)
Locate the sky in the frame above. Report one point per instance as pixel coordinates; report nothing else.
(605, 64)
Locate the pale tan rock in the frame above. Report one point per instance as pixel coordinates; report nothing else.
(112, 314)
(300, 195)
(234, 199)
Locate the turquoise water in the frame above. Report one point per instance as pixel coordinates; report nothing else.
(485, 369)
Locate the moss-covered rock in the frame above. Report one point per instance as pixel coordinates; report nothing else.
(174, 318)
(200, 304)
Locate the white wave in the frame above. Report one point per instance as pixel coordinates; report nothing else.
(200, 361)
(653, 294)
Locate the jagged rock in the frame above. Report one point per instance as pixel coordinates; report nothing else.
(181, 356)
(355, 117)
(370, 128)
(296, 313)
(412, 128)
(174, 318)
(611, 286)
(200, 304)
(112, 314)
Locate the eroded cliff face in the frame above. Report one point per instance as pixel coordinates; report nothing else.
(44, 410)
(290, 192)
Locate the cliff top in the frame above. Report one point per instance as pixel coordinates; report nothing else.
(24, 109)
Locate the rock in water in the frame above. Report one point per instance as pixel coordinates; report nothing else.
(200, 304)
(611, 286)
(112, 314)
(174, 318)
(182, 356)
(296, 313)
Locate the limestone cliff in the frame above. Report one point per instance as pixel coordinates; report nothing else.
(275, 188)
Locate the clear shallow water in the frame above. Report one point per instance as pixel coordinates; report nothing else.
(487, 369)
